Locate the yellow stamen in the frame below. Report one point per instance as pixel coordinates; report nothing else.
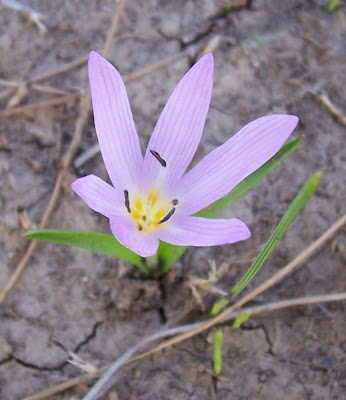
(153, 197)
(138, 203)
(149, 210)
(135, 214)
(160, 214)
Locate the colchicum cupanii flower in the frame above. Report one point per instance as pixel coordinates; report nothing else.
(153, 197)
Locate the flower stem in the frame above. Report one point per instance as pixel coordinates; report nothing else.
(152, 263)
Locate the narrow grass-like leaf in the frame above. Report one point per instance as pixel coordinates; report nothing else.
(218, 306)
(332, 5)
(238, 322)
(169, 254)
(93, 241)
(298, 203)
(217, 356)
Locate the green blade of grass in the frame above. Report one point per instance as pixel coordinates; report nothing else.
(298, 203)
(238, 322)
(217, 354)
(332, 5)
(169, 254)
(218, 306)
(92, 241)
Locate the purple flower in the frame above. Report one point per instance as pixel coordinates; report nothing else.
(154, 198)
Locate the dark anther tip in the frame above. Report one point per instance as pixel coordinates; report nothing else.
(158, 158)
(168, 216)
(127, 200)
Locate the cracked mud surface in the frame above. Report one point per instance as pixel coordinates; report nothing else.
(267, 60)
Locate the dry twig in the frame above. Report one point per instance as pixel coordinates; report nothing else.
(155, 66)
(87, 155)
(299, 260)
(9, 112)
(187, 331)
(36, 87)
(73, 147)
(127, 357)
(60, 70)
(324, 100)
(173, 331)
(31, 82)
(84, 113)
(70, 97)
(200, 327)
(32, 14)
(6, 93)
(17, 97)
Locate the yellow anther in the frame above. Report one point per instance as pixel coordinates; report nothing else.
(149, 210)
(135, 214)
(159, 214)
(153, 197)
(138, 204)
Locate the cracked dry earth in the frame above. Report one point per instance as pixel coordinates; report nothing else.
(267, 59)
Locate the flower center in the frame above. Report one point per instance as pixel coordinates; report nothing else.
(149, 211)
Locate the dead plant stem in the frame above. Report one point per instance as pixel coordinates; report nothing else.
(68, 157)
(200, 327)
(70, 97)
(173, 331)
(83, 116)
(9, 112)
(335, 112)
(299, 260)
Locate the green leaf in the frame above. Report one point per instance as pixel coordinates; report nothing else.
(169, 254)
(93, 241)
(298, 203)
(218, 306)
(217, 356)
(238, 322)
(332, 5)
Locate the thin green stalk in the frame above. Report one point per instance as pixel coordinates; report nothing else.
(294, 209)
(217, 355)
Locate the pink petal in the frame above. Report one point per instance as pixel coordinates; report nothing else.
(222, 169)
(114, 123)
(179, 128)
(98, 195)
(196, 231)
(125, 230)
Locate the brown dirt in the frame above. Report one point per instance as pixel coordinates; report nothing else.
(268, 57)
